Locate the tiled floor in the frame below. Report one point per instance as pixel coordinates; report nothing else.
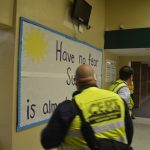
(141, 139)
(143, 111)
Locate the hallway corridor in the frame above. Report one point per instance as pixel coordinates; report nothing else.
(141, 134)
(143, 111)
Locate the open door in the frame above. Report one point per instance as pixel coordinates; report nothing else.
(136, 79)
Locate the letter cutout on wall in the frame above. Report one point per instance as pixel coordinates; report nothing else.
(47, 63)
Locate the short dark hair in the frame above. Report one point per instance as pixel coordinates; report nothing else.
(125, 72)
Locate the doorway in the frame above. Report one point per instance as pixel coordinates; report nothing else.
(141, 89)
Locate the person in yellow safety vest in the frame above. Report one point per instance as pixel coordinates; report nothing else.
(131, 88)
(106, 112)
(121, 85)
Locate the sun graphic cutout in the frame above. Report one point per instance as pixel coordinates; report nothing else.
(35, 45)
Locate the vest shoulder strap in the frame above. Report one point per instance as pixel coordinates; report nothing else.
(118, 85)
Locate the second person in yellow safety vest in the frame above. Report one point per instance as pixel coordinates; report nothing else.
(121, 85)
(104, 110)
(131, 88)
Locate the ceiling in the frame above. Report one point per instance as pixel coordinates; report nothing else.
(131, 52)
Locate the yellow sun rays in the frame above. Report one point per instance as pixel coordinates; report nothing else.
(35, 45)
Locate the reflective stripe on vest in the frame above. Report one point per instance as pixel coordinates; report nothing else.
(102, 130)
(98, 129)
(105, 112)
(131, 87)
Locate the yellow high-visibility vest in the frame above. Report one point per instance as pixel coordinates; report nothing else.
(104, 110)
(131, 87)
(131, 105)
(115, 87)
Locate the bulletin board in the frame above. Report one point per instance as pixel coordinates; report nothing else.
(47, 63)
(110, 71)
